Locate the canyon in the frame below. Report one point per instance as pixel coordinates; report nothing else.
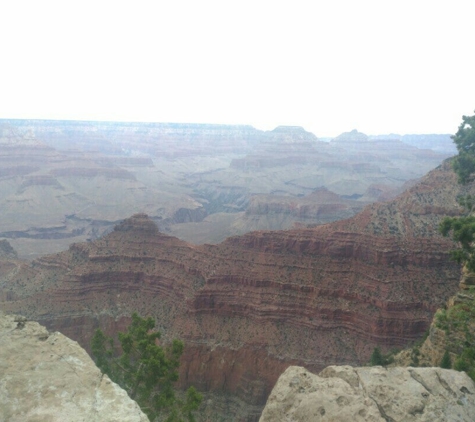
(254, 304)
(70, 181)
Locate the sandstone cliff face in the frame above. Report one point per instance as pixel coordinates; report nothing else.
(376, 394)
(252, 305)
(48, 377)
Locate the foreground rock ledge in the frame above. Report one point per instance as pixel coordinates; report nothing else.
(344, 393)
(50, 378)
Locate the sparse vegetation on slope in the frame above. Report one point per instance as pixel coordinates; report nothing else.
(451, 339)
(462, 229)
(458, 323)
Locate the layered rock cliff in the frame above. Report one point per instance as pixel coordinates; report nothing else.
(277, 212)
(451, 333)
(48, 377)
(252, 305)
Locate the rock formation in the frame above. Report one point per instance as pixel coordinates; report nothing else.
(277, 212)
(451, 331)
(188, 178)
(343, 393)
(254, 304)
(48, 377)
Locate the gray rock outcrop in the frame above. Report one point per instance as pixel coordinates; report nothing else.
(48, 377)
(344, 393)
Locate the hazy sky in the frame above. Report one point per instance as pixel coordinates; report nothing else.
(329, 66)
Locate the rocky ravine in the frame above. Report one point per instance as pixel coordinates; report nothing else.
(376, 394)
(252, 305)
(48, 377)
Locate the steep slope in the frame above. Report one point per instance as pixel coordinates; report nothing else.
(252, 305)
(451, 333)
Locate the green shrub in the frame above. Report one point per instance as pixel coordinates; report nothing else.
(446, 362)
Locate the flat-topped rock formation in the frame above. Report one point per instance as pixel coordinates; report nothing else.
(174, 140)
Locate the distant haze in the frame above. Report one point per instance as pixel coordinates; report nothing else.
(380, 67)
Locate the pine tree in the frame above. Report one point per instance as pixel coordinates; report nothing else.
(464, 139)
(146, 370)
(376, 357)
(446, 362)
